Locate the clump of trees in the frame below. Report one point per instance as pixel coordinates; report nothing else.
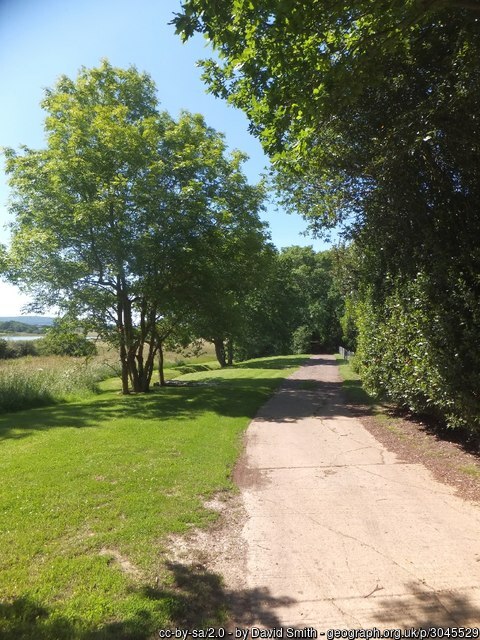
(18, 349)
(131, 220)
(297, 309)
(369, 112)
(65, 339)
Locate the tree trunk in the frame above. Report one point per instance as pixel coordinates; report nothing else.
(122, 349)
(220, 352)
(137, 366)
(149, 364)
(161, 373)
(230, 352)
(125, 386)
(142, 367)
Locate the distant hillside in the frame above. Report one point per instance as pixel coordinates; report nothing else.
(38, 321)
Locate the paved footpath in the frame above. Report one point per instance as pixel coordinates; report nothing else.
(340, 534)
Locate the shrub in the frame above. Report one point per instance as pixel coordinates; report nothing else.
(16, 349)
(6, 351)
(302, 340)
(419, 349)
(65, 343)
(25, 348)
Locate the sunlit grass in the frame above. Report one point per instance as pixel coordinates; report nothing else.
(90, 491)
(471, 470)
(35, 381)
(352, 383)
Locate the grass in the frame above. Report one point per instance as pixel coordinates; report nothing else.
(471, 470)
(90, 491)
(35, 381)
(352, 384)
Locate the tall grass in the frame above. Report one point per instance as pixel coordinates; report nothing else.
(37, 381)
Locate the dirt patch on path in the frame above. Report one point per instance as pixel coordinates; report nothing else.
(211, 565)
(414, 441)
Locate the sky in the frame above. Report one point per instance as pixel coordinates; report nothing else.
(41, 40)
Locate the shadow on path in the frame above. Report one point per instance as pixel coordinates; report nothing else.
(426, 609)
(304, 396)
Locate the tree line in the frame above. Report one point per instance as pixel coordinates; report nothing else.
(15, 326)
(369, 112)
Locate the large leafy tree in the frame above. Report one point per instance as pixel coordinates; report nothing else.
(239, 258)
(369, 112)
(237, 253)
(114, 217)
(332, 89)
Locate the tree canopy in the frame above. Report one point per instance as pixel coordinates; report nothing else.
(295, 308)
(331, 89)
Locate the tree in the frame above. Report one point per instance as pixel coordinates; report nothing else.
(64, 339)
(367, 111)
(238, 259)
(318, 305)
(114, 217)
(316, 78)
(268, 314)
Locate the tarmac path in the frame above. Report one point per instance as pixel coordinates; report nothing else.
(341, 534)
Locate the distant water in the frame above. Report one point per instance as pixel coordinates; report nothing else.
(15, 338)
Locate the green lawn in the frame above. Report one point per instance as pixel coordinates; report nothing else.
(90, 490)
(352, 384)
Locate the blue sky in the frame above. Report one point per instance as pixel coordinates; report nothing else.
(43, 39)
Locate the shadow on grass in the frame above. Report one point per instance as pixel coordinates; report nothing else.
(240, 397)
(274, 363)
(354, 391)
(230, 397)
(423, 609)
(196, 599)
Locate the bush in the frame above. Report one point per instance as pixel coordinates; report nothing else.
(25, 348)
(6, 351)
(420, 349)
(65, 343)
(16, 349)
(302, 340)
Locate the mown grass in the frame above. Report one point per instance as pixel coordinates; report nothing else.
(90, 491)
(352, 384)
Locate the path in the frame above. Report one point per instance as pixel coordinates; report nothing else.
(339, 532)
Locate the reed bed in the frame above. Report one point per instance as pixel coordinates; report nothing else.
(35, 381)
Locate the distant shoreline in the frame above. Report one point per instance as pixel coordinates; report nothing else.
(17, 337)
